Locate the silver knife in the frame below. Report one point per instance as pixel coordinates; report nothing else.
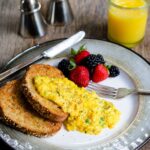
(50, 53)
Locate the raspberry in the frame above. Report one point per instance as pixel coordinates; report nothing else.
(80, 76)
(100, 73)
(64, 66)
(113, 71)
(92, 60)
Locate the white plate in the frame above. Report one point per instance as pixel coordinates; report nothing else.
(133, 128)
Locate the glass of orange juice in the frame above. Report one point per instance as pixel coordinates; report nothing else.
(127, 21)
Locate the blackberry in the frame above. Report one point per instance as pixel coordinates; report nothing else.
(113, 71)
(92, 60)
(100, 59)
(64, 66)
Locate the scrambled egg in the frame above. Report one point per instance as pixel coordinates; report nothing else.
(87, 112)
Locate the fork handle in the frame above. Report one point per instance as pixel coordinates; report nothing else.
(143, 92)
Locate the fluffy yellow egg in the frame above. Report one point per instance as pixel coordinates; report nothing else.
(87, 112)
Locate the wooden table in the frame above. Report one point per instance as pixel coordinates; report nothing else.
(90, 16)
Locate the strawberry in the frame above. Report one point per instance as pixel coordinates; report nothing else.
(80, 56)
(80, 76)
(100, 73)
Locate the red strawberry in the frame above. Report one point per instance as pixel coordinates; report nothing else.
(80, 75)
(100, 73)
(80, 56)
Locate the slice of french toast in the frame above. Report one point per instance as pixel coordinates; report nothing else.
(15, 111)
(44, 107)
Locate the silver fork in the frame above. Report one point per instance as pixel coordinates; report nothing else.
(114, 93)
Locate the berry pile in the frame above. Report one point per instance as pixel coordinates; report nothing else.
(82, 67)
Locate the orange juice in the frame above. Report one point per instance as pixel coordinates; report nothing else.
(127, 21)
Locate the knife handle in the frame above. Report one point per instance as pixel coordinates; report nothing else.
(55, 50)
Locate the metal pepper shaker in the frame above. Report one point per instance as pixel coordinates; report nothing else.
(59, 12)
(32, 23)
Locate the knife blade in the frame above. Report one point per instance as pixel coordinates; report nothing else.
(50, 53)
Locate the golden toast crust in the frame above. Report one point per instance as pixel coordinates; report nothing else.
(16, 112)
(44, 107)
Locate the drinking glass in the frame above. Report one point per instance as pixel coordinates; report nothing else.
(126, 22)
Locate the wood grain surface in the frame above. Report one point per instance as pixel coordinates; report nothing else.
(90, 16)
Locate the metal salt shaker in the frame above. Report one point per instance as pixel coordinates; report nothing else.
(32, 23)
(59, 12)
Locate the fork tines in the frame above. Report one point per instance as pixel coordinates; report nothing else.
(102, 90)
